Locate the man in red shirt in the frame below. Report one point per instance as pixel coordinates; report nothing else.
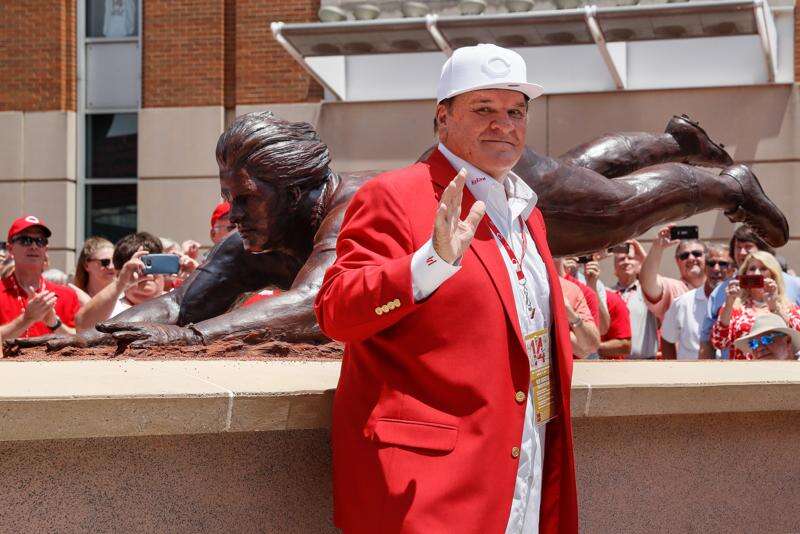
(221, 225)
(30, 305)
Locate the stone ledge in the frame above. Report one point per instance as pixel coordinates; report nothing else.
(85, 399)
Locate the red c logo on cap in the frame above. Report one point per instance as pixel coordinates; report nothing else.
(32, 219)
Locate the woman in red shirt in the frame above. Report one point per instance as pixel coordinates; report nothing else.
(742, 305)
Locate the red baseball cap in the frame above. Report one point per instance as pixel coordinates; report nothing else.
(27, 221)
(222, 210)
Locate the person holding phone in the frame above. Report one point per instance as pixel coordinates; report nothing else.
(758, 290)
(131, 286)
(690, 257)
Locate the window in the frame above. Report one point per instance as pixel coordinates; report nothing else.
(110, 184)
(110, 210)
(111, 141)
(111, 18)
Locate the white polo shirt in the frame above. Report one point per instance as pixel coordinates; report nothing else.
(682, 322)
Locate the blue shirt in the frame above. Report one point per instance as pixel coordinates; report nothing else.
(717, 300)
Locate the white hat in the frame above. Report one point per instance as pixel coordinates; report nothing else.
(484, 66)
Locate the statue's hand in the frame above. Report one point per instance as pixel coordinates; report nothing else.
(142, 335)
(55, 342)
(28, 342)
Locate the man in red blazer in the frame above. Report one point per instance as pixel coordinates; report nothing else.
(457, 343)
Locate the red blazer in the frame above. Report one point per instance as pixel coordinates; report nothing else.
(425, 414)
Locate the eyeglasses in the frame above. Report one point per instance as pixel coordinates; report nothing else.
(696, 253)
(105, 262)
(26, 241)
(765, 340)
(714, 263)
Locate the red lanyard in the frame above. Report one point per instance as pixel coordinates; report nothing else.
(515, 262)
(510, 251)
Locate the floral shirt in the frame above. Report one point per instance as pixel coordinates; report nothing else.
(742, 319)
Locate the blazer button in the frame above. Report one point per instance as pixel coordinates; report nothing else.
(386, 308)
(396, 303)
(515, 452)
(378, 310)
(520, 396)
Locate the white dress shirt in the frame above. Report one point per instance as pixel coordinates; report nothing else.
(505, 203)
(682, 323)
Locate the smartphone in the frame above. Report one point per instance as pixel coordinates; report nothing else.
(584, 259)
(624, 248)
(750, 281)
(684, 232)
(161, 263)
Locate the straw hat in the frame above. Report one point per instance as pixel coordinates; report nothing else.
(769, 322)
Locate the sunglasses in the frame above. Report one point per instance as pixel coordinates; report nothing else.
(714, 263)
(764, 341)
(26, 241)
(105, 262)
(696, 253)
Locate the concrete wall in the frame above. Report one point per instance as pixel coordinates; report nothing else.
(681, 474)
(37, 176)
(242, 446)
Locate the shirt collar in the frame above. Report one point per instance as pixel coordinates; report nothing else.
(510, 194)
(622, 290)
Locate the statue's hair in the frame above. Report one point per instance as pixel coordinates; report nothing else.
(270, 149)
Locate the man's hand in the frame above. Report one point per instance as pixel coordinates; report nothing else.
(637, 250)
(142, 335)
(131, 272)
(663, 240)
(191, 248)
(451, 235)
(592, 273)
(40, 305)
(187, 266)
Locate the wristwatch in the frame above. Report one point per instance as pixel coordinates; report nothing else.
(576, 322)
(55, 326)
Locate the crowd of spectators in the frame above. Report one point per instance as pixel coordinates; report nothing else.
(730, 302)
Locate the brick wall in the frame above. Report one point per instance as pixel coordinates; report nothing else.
(37, 55)
(265, 73)
(183, 54)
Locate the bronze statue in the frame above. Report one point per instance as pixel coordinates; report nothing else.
(287, 205)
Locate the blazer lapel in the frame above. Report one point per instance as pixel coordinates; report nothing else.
(483, 244)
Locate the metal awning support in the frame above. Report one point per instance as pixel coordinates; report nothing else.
(602, 46)
(769, 36)
(441, 42)
(277, 28)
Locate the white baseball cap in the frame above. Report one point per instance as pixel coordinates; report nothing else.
(484, 66)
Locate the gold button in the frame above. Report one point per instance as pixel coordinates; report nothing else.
(396, 303)
(515, 452)
(520, 396)
(378, 310)
(386, 308)
(391, 305)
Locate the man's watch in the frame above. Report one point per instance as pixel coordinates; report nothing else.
(576, 322)
(55, 326)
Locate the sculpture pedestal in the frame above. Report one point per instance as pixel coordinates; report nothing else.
(142, 446)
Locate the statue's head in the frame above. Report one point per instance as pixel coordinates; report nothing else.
(267, 168)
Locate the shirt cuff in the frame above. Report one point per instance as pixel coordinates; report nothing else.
(429, 271)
